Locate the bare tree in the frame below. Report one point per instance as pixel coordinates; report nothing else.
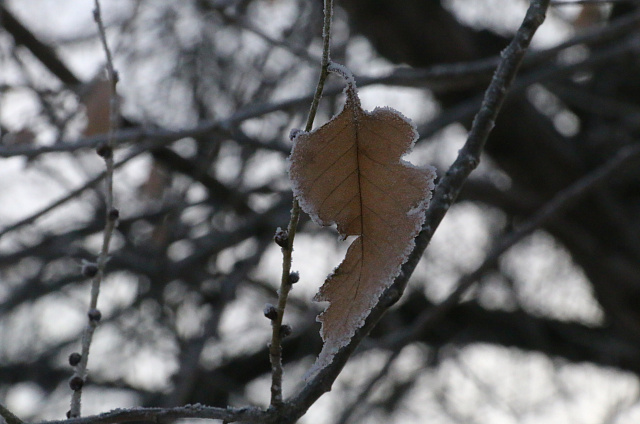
(142, 188)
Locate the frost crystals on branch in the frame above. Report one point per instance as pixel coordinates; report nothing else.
(349, 172)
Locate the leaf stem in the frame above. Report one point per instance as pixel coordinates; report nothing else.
(275, 347)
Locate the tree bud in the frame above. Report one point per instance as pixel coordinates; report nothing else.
(282, 237)
(285, 330)
(76, 383)
(74, 359)
(270, 311)
(89, 269)
(95, 315)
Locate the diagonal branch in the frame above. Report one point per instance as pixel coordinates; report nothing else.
(69, 196)
(559, 203)
(45, 54)
(9, 416)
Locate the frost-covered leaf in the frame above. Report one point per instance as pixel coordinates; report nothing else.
(349, 172)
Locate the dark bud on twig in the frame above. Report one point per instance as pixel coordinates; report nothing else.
(294, 277)
(282, 237)
(74, 359)
(76, 383)
(95, 315)
(114, 214)
(72, 416)
(285, 330)
(105, 151)
(89, 269)
(270, 311)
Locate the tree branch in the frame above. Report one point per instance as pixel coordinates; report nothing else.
(45, 54)
(560, 202)
(9, 416)
(439, 77)
(69, 196)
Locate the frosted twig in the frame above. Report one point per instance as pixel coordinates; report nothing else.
(275, 347)
(96, 271)
(345, 73)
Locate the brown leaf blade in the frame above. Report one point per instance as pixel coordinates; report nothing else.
(350, 172)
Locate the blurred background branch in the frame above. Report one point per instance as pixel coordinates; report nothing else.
(210, 91)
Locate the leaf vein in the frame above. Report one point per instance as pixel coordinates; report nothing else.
(333, 190)
(331, 165)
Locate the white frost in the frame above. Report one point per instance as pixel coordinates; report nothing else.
(413, 126)
(344, 72)
(295, 186)
(331, 347)
(294, 133)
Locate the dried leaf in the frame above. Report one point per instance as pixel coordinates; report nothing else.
(97, 107)
(350, 172)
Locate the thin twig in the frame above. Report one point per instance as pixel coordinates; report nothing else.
(69, 196)
(275, 347)
(112, 214)
(244, 23)
(360, 400)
